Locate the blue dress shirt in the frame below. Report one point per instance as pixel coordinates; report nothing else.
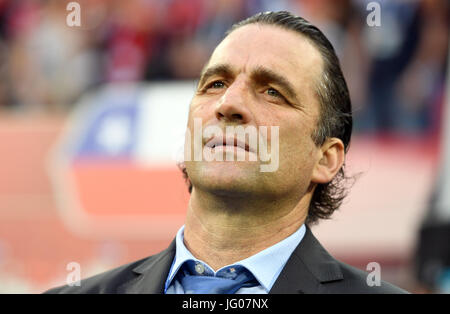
(266, 265)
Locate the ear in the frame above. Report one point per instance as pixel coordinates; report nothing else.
(331, 159)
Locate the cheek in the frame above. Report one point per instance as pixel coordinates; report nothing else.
(200, 110)
(297, 149)
(194, 110)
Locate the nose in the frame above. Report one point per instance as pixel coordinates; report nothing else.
(233, 106)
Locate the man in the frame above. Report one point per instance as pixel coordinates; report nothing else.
(246, 230)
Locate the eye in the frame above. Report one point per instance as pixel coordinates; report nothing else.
(275, 96)
(216, 84)
(212, 88)
(273, 92)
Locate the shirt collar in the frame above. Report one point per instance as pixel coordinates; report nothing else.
(266, 265)
(182, 255)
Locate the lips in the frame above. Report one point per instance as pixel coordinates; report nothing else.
(227, 141)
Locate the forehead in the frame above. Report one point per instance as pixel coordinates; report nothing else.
(273, 47)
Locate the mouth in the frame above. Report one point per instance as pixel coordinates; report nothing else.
(230, 142)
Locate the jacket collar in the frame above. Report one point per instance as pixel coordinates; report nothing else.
(308, 268)
(152, 273)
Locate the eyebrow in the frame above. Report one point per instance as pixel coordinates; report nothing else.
(223, 70)
(264, 75)
(260, 75)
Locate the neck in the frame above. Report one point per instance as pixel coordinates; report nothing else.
(221, 230)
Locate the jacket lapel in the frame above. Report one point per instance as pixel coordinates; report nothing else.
(309, 267)
(152, 273)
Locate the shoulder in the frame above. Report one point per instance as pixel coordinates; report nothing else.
(106, 282)
(115, 280)
(332, 275)
(356, 281)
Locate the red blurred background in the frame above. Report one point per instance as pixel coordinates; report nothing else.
(117, 210)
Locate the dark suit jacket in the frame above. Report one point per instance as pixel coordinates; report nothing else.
(310, 269)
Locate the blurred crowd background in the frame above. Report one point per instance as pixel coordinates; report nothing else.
(396, 72)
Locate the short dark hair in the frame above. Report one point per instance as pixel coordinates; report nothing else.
(335, 106)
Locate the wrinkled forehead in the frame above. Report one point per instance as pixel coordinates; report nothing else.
(255, 45)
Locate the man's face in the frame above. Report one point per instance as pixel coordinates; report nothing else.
(259, 75)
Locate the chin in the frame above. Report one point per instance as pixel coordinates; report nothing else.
(238, 189)
(225, 181)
